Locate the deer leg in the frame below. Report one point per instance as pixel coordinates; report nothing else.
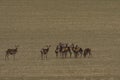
(70, 54)
(7, 56)
(45, 56)
(41, 56)
(84, 55)
(14, 56)
(65, 54)
(76, 54)
(90, 54)
(80, 54)
(62, 55)
(56, 55)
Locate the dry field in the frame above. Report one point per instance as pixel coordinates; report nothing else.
(34, 23)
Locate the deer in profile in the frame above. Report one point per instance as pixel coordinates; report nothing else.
(11, 52)
(44, 52)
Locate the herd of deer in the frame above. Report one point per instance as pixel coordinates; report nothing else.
(62, 49)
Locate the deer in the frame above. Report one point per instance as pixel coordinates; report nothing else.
(77, 50)
(44, 52)
(11, 52)
(87, 51)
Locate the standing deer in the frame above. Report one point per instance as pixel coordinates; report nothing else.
(44, 52)
(11, 52)
(77, 50)
(58, 49)
(87, 51)
(63, 49)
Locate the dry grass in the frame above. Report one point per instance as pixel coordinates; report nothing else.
(33, 24)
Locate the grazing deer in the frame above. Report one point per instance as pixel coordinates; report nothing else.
(44, 52)
(11, 52)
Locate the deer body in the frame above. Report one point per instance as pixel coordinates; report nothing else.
(44, 52)
(11, 52)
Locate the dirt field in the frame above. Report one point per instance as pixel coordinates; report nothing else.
(33, 24)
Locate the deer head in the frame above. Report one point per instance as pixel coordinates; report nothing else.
(16, 46)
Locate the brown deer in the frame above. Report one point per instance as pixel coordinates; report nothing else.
(87, 51)
(77, 50)
(11, 52)
(44, 52)
(58, 50)
(63, 49)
